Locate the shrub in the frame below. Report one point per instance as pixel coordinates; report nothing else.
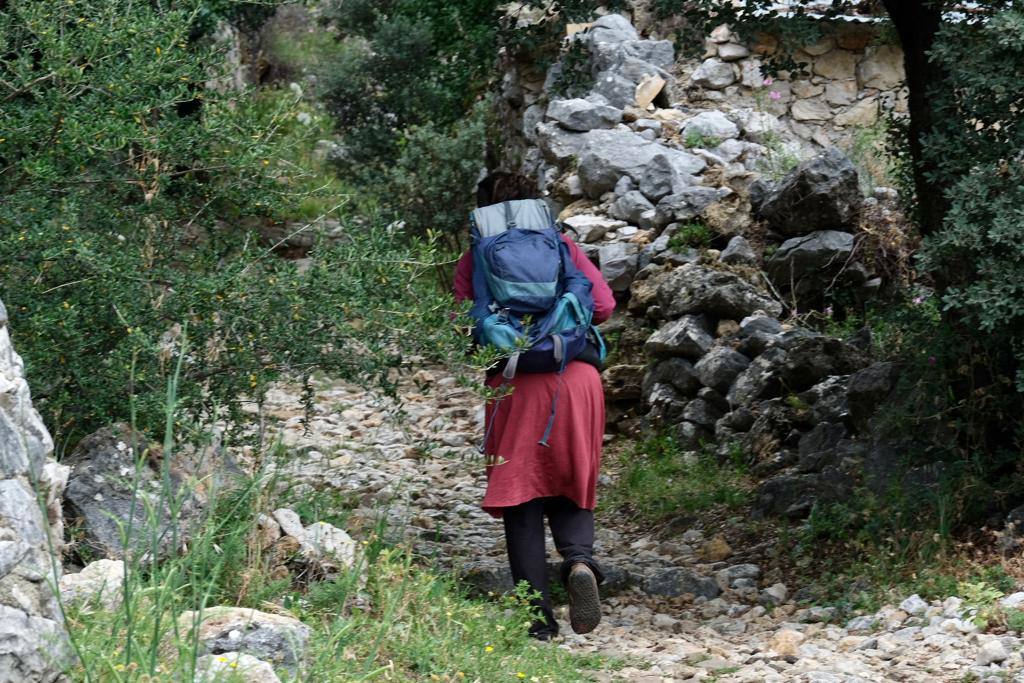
(129, 227)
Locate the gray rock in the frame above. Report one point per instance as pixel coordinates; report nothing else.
(702, 413)
(731, 52)
(1012, 601)
(34, 648)
(609, 56)
(760, 323)
(714, 74)
(867, 389)
(559, 146)
(828, 400)
(618, 263)
(711, 124)
(760, 127)
(677, 581)
(588, 228)
(691, 435)
(694, 288)
(648, 124)
(738, 251)
(859, 624)
(234, 666)
(582, 115)
(991, 652)
(719, 367)
(34, 645)
(610, 154)
(914, 605)
(677, 372)
(670, 172)
(104, 499)
(271, 637)
(688, 337)
(634, 208)
(686, 203)
(730, 576)
(776, 594)
(811, 260)
(820, 194)
(818, 447)
(611, 28)
(616, 88)
(739, 420)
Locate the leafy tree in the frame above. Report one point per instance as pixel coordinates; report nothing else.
(129, 231)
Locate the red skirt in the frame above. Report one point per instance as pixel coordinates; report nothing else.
(569, 465)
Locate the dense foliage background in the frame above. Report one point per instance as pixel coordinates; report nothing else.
(134, 201)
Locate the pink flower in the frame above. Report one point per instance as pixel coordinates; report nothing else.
(931, 360)
(774, 95)
(768, 81)
(828, 311)
(918, 300)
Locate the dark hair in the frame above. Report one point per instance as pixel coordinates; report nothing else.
(501, 186)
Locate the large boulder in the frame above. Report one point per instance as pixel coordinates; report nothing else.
(820, 194)
(618, 263)
(582, 115)
(711, 124)
(719, 367)
(687, 202)
(714, 74)
(33, 641)
(611, 28)
(608, 155)
(116, 485)
(687, 337)
(558, 145)
(677, 372)
(273, 638)
(794, 365)
(676, 581)
(811, 261)
(694, 288)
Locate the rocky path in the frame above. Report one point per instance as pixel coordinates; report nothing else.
(686, 609)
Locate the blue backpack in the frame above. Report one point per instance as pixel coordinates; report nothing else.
(531, 301)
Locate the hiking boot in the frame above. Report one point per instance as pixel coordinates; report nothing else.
(584, 601)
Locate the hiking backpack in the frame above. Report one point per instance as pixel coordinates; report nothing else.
(530, 299)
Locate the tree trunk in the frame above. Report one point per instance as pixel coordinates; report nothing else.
(917, 22)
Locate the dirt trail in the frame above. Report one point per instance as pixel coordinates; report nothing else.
(422, 468)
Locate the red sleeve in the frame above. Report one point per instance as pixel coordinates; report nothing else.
(464, 278)
(604, 300)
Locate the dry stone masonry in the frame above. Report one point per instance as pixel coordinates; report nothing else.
(33, 641)
(667, 173)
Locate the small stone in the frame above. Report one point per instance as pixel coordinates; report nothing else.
(716, 550)
(731, 52)
(991, 652)
(786, 643)
(776, 594)
(914, 605)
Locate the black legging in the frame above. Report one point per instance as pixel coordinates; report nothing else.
(573, 531)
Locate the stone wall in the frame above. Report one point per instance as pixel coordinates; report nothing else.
(665, 173)
(849, 79)
(33, 642)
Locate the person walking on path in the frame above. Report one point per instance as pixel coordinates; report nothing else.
(526, 480)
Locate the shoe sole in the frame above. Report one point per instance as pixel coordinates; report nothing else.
(584, 602)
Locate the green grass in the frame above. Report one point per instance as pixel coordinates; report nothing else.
(658, 480)
(691, 235)
(387, 618)
(694, 138)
